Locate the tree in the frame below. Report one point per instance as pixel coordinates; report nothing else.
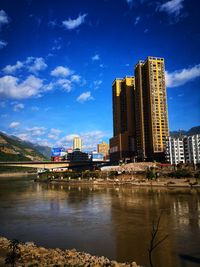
(14, 254)
(153, 243)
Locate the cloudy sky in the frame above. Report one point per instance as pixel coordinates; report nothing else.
(59, 58)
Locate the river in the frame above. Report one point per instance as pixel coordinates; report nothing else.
(112, 221)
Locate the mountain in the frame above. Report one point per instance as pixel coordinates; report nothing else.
(13, 148)
(192, 131)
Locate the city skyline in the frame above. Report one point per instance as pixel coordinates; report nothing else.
(59, 59)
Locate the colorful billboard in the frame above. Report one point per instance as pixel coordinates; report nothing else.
(56, 151)
(97, 157)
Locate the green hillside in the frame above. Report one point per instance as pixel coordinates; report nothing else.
(15, 149)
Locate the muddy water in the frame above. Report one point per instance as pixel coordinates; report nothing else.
(112, 221)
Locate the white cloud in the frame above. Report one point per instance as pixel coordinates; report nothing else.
(180, 77)
(70, 137)
(36, 131)
(18, 107)
(14, 124)
(11, 87)
(24, 137)
(97, 84)
(66, 141)
(3, 18)
(61, 71)
(36, 64)
(32, 64)
(137, 19)
(12, 68)
(96, 57)
(86, 96)
(76, 78)
(54, 133)
(91, 139)
(56, 47)
(71, 24)
(2, 44)
(172, 7)
(65, 84)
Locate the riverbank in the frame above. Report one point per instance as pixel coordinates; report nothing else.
(162, 182)
(32, 255)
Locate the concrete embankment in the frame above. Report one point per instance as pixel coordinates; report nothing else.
(31, 255)
(162, 182)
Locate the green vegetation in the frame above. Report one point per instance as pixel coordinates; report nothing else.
(182, 173)
(197, 175)
(77, 174)
(15, 149)
(12, 157)
(151, 174)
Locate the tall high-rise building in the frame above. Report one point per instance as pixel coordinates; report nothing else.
(122, 144)
(140, 117)
(77, 143)
(151, 105)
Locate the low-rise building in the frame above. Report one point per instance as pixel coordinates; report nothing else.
(77, 155)
(185, 149)
(175, 150)
(192, 149)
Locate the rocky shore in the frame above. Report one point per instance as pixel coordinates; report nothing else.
(162, 182)
(32, 255)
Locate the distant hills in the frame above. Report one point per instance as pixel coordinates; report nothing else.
(13, 148)
(192, 131)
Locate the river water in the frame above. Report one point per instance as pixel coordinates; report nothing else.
(112, 221)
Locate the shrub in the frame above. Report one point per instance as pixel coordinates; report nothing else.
(197, 175)
(180, 174)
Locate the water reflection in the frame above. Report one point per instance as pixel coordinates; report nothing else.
(114, 221)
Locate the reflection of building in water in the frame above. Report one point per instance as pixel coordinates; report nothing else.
(132, 213)
(187, 210)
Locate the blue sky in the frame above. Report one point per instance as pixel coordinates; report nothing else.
(59, 58)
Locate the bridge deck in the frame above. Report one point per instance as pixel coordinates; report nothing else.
(49, 164)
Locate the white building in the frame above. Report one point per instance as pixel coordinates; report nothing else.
(192, 149)
(175, 150)
(184, 149)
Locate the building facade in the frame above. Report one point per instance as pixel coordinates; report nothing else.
(103, 148)
(140, 115)
(122, 145)
(151, 109)
(185, 149)
(192, 149)
(77, 143)
(175, 152)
